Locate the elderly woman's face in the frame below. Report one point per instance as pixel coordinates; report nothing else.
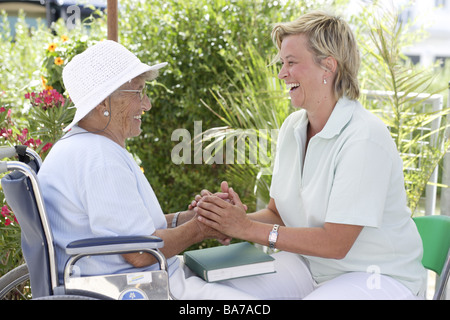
(127, 109)
(299, 71)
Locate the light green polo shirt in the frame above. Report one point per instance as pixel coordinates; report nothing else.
(351, 174)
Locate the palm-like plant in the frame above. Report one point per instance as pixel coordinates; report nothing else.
(252, 109)
(414, 120)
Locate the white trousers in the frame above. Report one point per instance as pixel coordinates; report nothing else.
(292, 281)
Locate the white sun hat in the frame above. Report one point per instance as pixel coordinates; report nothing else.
(91, 76)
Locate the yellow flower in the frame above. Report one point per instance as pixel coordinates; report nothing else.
(64, 38)
(51, 47)
(44, 84)
(44, 81)
(59, 61)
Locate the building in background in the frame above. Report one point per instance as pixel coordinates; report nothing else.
(431, 15)
(434, 16)
(49, 10)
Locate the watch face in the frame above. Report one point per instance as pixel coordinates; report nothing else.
(272, 237)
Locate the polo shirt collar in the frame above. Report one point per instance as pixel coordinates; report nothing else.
(341, 115)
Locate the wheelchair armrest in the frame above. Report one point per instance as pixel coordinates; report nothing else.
(99, 285)
(107, 245)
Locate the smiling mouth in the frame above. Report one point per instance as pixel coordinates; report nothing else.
(292, 86)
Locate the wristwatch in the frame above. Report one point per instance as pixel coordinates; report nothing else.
(273, 235)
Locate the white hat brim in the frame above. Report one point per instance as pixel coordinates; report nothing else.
(93, 99)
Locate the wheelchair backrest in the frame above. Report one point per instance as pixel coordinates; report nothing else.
(21, 195)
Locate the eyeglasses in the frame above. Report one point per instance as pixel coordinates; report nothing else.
(142, 93)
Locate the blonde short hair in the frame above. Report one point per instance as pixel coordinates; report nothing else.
(327, 36)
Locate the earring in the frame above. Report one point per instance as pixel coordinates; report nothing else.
(324, 81)
(106, 113)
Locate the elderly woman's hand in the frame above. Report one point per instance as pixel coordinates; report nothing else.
(210, 233)
(198, 197)
(223, 195)
(227, 217)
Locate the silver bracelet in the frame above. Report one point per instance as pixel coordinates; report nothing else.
(175, 219)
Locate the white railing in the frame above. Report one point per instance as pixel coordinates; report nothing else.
(445, 191)
(428, 103)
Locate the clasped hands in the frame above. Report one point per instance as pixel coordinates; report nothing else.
(223, 212)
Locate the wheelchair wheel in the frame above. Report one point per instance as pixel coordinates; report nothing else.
(65, 297)
(15, 285)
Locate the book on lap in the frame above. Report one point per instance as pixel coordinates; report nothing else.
(228, 262)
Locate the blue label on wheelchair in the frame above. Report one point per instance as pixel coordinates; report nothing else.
(133, 294)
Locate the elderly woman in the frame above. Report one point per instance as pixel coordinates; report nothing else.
(92, 186)
(338, 201)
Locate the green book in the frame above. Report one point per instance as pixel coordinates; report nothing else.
(228, 262)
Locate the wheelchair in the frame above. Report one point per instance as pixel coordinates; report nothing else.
(23, 194)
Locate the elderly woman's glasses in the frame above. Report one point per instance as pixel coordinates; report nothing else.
(142, 93)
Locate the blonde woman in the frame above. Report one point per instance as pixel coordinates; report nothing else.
(338, 210)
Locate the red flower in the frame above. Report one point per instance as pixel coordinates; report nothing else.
(33, 143)
(5, 211)
(46, 99)
(47, 146)
(6, 133)
(22, 137)
(7, 214)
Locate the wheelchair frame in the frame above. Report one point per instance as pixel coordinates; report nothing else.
(138, 285)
